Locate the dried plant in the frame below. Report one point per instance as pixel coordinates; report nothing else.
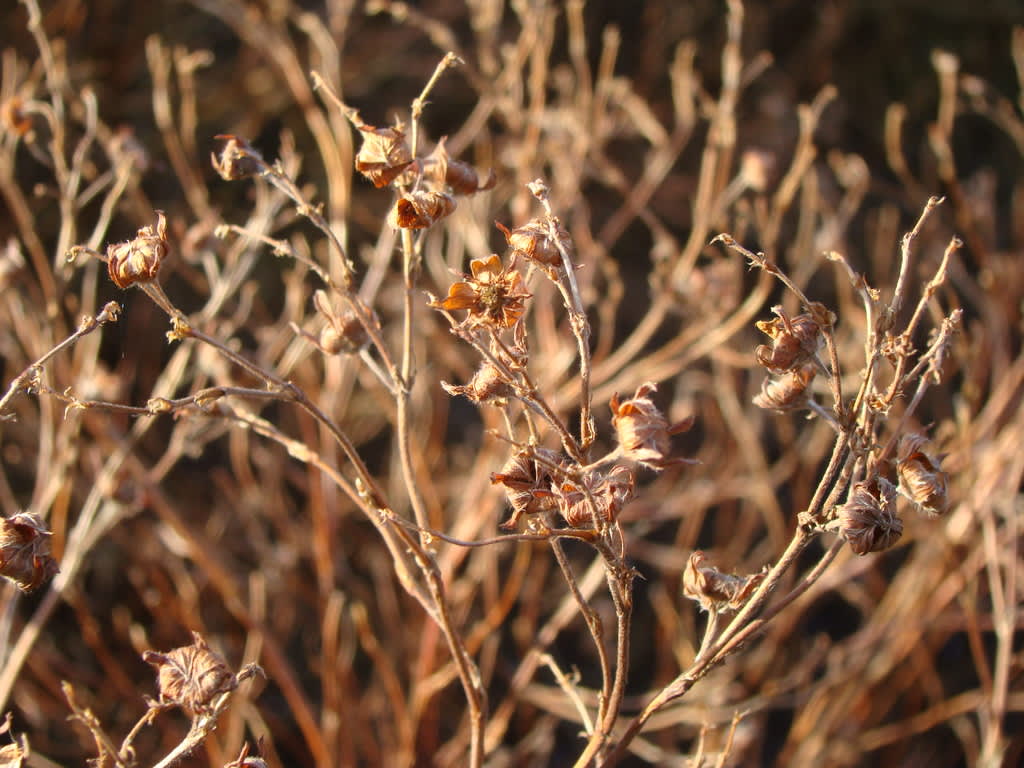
(384, 447)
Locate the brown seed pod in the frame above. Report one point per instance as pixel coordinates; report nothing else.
(714, 590)
(138, 260)
(191, 677)
(643, 431)
(237, 159)
(921, 477)
(527, 482)
(419, 210)
(384, 154)
(787, 392)
(488, 385)
(344, 333)
(533, 242)
(25, 551)
(608, 493)
(868, 521)
(795, 341)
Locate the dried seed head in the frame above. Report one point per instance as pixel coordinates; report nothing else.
(533, 241)
(344, 333)
(488, 385)
(138, 260)
(868, 521)
(787, 392)
(25, 551)
(419, 210)
(494, 295)
(383, 155)
(714, 590)
(191, 677)
(795, 341)
(608, 493)
(237, 159)
(643, 431)
(527, 482)
(921, 477)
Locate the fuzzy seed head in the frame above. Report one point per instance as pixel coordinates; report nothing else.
(191, 677)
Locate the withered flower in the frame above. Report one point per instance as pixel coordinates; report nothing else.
(609, 493)
(191, 677)
(493, 294)
(383, 155)
(237, 159)
(714, 590)
(788, 392)
(642, 429)
(460, 177)
(25, 551)
(868, 521)
(343, 332)
(533, 241)
(527, 482)
(795, 341)
(921, 477)
(488, 385)
(138, 260)
(419, 210)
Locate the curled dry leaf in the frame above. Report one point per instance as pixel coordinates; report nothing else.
(25, 551)
(138, 260)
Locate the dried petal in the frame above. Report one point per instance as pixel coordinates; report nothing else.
(138, 260)
(868, 521)
(191, 677)
(795, 341)
(419, 210)
(714, 590)
(788, 392)
(25, 551)
(921, 477)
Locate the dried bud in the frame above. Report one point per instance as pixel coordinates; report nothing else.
(609, 493)
(794, 341)
(460, 177)
(643, 432)
(343, 332)
(788, 392)
(13, 116)
(237, 160)
(138, 260)
(921, 477)
(419, 210)
(527, 483)
(488, 385)
(533, 241)
(714, 590)
(191, 677)
(868, 521)
(383, 155)
(25, 551)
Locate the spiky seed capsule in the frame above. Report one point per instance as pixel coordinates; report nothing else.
(921, 477)
(868, 521)
(714, 590)
(138, 260)
(25, 551)
(191, 677)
